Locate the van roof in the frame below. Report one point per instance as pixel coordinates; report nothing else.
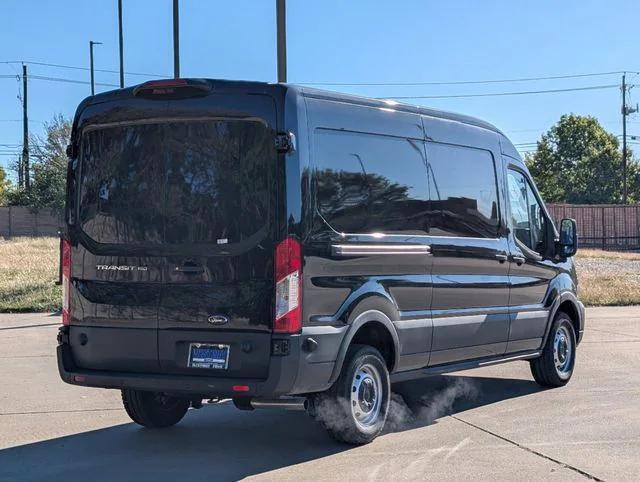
(390, 103)
(255, 87)
(322, 94)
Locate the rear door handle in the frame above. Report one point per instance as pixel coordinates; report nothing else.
(501, 257)
(519, 260)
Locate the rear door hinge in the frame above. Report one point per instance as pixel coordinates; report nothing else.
(285, 142)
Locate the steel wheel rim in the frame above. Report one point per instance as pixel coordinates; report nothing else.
(366, 396)
(562, 351)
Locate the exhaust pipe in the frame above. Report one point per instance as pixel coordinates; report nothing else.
(293, 403)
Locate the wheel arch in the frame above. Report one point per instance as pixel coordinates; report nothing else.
(370, 323)
(568, 303)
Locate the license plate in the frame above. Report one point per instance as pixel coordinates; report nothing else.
(208, 355)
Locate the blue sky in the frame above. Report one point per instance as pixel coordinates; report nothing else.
(338, 41)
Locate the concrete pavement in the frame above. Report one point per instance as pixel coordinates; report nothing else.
(491, 423)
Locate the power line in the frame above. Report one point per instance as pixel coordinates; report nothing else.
(70, 81)
(452, 96)
(73, 67)
(60, 79)
(16, 146)
(467, 82)
(495, 94)
(20, 120)
(458, 82)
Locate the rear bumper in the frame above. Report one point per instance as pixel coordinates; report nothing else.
(302, 371)
(282, 375)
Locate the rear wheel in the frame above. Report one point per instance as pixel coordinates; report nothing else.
(154, 409)
(555, 366)
(354, 409)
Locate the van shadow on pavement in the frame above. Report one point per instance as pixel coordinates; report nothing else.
(218, 442)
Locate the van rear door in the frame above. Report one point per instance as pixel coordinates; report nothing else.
(216, 301)
(119, 230)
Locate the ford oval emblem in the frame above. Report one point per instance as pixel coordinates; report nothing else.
(217, 319)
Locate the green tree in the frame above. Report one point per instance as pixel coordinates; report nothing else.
(577, 161)
(49, 167)
(5, 185)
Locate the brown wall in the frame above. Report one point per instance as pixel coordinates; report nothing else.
(605, 226)
(24, 221)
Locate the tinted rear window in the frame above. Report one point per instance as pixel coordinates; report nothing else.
(204, 181)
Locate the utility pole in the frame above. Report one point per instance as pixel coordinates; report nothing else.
(25, 130)
(625, 112)
(176, 40)
(91, 44)
(120, 42)
(281, 20)
(624, 139)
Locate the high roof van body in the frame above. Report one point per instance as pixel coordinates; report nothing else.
(284, 246)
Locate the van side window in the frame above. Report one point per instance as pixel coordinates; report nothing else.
(464, 193)
(371, 183)
(527, 219)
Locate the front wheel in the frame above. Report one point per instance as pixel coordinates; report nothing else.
(555, 366)
(354, 409)
(154, 409)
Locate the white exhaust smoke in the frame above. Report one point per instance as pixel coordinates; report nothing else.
(432, 405)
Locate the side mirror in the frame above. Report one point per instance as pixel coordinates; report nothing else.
(568, 244)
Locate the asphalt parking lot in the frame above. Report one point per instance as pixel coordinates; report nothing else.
(492, 423)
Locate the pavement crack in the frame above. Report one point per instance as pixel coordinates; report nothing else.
(27, 326)
(609, 332)
(530, 450)
(48, 412)
(26, 356)
(609, 341)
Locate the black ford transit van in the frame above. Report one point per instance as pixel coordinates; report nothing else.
(284, 246)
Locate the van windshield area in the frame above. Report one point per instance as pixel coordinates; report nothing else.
(187, 181)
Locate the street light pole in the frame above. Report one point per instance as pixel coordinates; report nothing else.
(281, 20)
(91, 44)
(121, 43)
(176, 40)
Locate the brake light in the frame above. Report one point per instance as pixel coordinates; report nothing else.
(288, 276)
(66, 281)
(166, 83)
(172, 86)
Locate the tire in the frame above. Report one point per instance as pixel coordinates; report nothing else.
(555, 366)
(354, 410)
(154, 409)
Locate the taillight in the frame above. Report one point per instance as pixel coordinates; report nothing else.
(66, 281)
(288, 270)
